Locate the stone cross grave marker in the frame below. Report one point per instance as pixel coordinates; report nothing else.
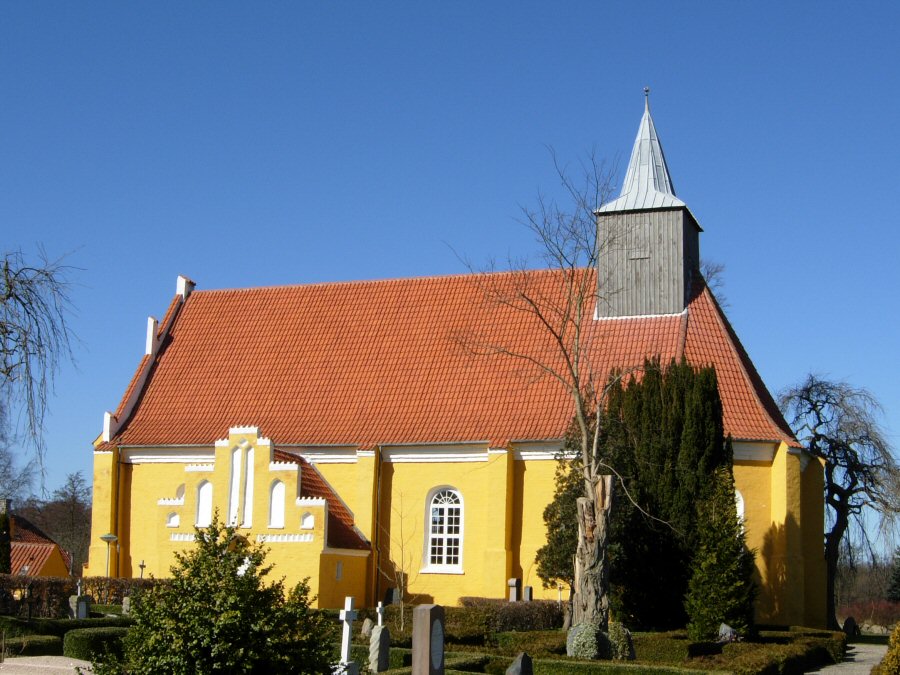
(380, 613)
(514, 586)
(347, 616)
(428, 640)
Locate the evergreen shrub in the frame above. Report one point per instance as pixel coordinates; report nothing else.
(890, 664)
(591, 643)
(536, 643)
(217, 614)
(89, 643)
(33, 645)
(621, 643)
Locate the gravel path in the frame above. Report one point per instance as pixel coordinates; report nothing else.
(49, 665)
(859, 660)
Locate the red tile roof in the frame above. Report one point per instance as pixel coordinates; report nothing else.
(392, 362)
(32, 546)
(32, 555)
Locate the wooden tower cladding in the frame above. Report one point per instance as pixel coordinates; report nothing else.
(647, 261)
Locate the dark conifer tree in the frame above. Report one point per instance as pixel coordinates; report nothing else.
(893, 593)
(721, 588)
(5, 544)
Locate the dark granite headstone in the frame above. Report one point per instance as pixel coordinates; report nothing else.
(521, 666)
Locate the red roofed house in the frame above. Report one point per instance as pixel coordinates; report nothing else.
(344, 424)
(32, 552)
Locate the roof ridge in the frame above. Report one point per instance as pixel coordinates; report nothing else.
(392, 280)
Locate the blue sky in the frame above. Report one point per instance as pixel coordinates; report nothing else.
(254, 144)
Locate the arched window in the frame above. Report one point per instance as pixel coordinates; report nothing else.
(445, 530)
(307, 521)
(276, 504)
(179, 493)
(173, 520)
(204, 503)
(739, 504)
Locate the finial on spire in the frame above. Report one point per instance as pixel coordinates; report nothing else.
(647, 98)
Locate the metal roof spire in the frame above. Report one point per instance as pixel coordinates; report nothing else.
(647, 182)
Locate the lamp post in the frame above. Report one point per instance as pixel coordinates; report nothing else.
(109, 538)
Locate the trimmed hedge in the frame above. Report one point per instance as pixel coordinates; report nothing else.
(89, 643)
(13, 627)
(536, 643)
(48, 597)
(33, 645)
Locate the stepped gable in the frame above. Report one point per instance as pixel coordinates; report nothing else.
(373, 363)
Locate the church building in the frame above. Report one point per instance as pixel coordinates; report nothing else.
(353, 429)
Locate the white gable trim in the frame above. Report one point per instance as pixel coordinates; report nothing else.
(425, 454)
(168, 455)
(538, 450)
(753, 452)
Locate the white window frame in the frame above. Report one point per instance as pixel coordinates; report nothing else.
(277, 504)
(443, 567)
(204, 503)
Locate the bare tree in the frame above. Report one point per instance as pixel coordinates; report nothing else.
(34, 336)
(563, 310)
(838, 423)
(65, 517)
(400, 568)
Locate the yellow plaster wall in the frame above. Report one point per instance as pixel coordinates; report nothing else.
(485, 558)
(534, 489)
(352, 581)
(354, 483)
(102, 511)
(814, 571)
(145, 535)
(55, 565)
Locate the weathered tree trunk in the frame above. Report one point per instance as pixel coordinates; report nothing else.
(832, 554)
(591, 570)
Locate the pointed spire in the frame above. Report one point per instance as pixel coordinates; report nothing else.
(647, 182)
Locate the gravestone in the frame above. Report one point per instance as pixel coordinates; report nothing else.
(380, 612)
(428, 640)
(521, 666)
(528, 594)
(514, 586)
(126, 605)
(79, 606)
(347, 616)
(367, 625)
(380, 649)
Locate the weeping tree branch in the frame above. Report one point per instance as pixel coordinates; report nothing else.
(35, 336)
(838, 423)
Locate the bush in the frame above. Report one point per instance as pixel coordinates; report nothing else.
(89, 643)
(33, 645)
(13, 627)
(504, 616)
(622, 646)
(590, 643)
(536, 643)
(217, 615)
(890, 665)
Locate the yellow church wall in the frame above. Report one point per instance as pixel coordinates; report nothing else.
(102, 511)
(813, 518)
(153, 491)
(405, 489)
(782, 595)
(354, 483)
(754, 481)
(534, 489)
(341, 575)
